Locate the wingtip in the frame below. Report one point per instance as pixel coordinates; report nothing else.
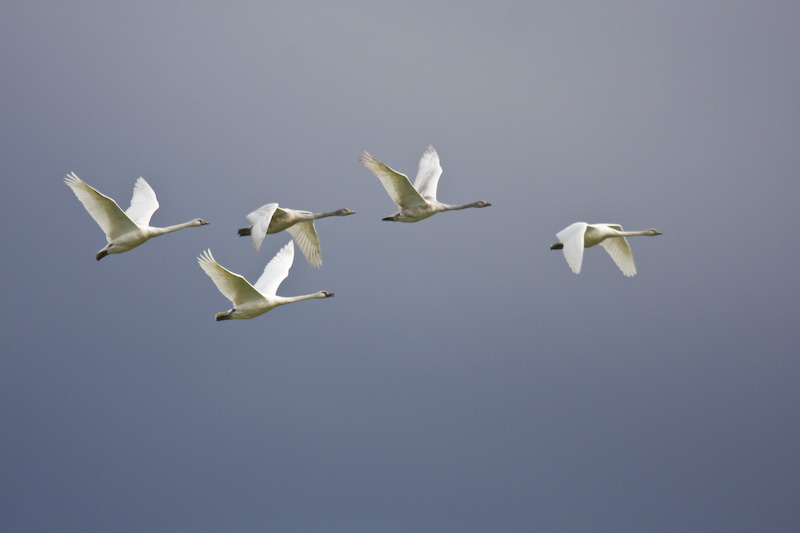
(205, 256)
(367, 160)
(256, 239)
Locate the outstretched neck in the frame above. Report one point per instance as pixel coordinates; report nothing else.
(176, 227)
(315, 216)
(337, 213)
(282, 300)
(447, 207)
(646, 233)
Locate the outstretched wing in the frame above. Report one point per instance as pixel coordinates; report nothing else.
(397, 185)
(428, 174)
(620, 251)
(572, 239)
(143, 203)
(276, 271)
(305, 235)
(105, 211)
(233, 286)
(260, 219)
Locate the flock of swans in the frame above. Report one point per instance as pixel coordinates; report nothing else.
(128, 229)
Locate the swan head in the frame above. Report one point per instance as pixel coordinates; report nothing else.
(344, 212)
(326, 294)
(652, 232)
(481, 203)
(199, 222)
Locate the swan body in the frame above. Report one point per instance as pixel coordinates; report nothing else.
(416, 202)
(575, 237)
(270, 218)
(250, 301)
(124, 230)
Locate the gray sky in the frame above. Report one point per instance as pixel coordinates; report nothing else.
(462, 379)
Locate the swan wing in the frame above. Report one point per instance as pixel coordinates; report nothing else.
(260, 219)
(143, 203)
(105, 211)
(305, 235)
(428, 174)
(233, 286)
(396, 184)
(620, 251)
(572, 239)
(276, 271)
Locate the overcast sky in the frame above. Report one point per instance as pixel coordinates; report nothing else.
(463, 378)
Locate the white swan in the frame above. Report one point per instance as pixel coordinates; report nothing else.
(270, 218)
(575, 237)
(417, 202)
(124, 230)
(253, 300)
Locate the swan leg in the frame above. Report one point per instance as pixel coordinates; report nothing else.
(225, 315)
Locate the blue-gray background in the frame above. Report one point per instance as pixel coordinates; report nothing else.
(462, 378)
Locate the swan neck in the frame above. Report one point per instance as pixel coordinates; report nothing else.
(632, 233)
(176, 227)
(282, 300)
(447, 207)
(315, 216)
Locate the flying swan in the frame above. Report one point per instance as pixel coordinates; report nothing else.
(250, 301)
(270, 218)
(416, 202)
(124, 230)
(575, 237)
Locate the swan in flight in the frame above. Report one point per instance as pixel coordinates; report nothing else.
(575, 237)
(124, 230)
(270, 218)
(250, 301)
(417, 202)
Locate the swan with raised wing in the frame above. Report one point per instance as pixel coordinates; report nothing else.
(124, 230)
(416, 202)
(248, 300)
